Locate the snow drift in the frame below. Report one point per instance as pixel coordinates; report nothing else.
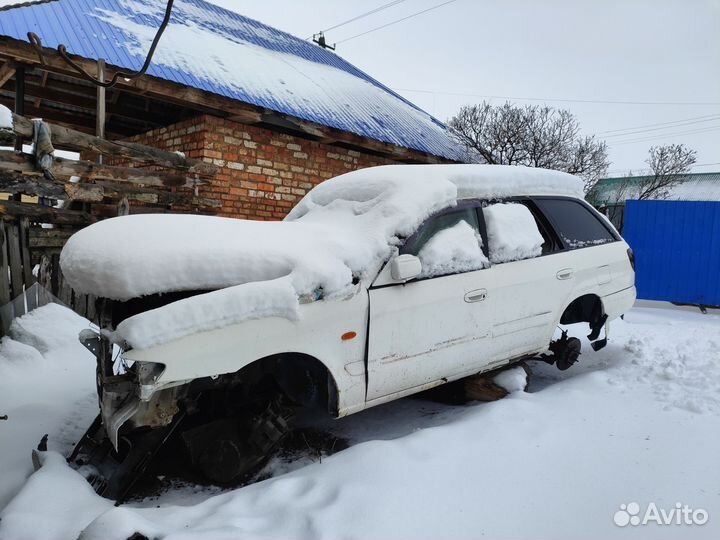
(343, 229)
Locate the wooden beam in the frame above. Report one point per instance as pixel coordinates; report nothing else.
(159, 88)
(74, 120)
(19, 100)
(51, 94)
(13, 182)
(13, 210)
(43, 82)
(218, 105)
(6, 73)
(70, 138)
(98, 191)
(100, 104)
(13, 161)
(49, 238)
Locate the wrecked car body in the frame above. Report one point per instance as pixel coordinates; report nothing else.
(381, 283)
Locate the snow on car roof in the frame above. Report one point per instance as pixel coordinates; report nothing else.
(469, 181)
(344, 228)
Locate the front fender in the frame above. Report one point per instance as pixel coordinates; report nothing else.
(318, 332)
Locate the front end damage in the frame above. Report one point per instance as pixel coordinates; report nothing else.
(135, 421)
(222, 427)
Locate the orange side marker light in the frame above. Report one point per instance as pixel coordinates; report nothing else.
(348, 335)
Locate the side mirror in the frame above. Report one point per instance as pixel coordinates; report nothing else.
(405, 267)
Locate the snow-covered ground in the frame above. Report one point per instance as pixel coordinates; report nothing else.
(638, 422)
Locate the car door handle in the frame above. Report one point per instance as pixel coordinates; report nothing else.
(565, 273)
(477, 295)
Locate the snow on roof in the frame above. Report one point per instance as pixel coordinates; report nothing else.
(220, 51)
(346, 227)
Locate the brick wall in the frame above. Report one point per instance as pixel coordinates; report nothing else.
(263, 173)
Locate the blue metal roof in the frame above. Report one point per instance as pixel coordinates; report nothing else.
(216, 50)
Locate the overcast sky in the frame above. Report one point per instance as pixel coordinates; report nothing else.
(636, 51)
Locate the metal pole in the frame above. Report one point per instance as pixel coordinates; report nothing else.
(19, 100)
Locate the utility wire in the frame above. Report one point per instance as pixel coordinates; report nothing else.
(707, 164)
(565, 100)
(397, 21)
(661, 128)
(665, 136)
(660, 124)
(363, 15)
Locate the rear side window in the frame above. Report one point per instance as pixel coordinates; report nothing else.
(512, 232)
(576, 225)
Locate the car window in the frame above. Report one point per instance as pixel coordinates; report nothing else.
(512, 232)
(452, 251)
(437, 223)
(576, 224)
(448, 243)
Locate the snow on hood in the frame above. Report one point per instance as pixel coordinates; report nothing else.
(344, 228)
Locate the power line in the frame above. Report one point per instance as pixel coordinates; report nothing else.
(676, 125)
(659, 124)
(665, 136)
(565, 100)
(363, 15)
(646, 170)
(707, 164)
(397, 21)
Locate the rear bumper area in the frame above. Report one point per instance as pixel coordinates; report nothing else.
(618, 303)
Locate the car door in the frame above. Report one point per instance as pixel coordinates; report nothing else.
(587, 242)
(528, 280)
(422, 332)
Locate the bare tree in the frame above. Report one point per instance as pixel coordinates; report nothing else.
(669, 165)
(532, 135)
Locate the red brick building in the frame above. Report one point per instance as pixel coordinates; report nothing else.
(275, 113)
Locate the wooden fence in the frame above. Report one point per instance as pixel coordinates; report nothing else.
(32, 234)
(30, 274)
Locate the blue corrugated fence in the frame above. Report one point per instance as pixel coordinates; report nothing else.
(677, 249)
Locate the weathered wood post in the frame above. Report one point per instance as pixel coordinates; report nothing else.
(6, 308)
(19, 100)
(100, 106)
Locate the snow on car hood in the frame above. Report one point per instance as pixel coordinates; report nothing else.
(345, 227)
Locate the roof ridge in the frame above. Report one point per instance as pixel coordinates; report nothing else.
(25, 3)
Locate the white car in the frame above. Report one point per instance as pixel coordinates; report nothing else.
(381, 283)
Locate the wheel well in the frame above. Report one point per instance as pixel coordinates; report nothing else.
(587, 308)
(301, 377)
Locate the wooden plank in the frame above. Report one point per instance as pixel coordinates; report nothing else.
(65, 292)
(53, 94)
(44, 281)
(6, 73)
(43, 214)
(77, 120)
(71, 138)
(40, 238)
(28, 278)
(30, 184)
(91, 313)
(100, 105)
(15, 259)
(15, 161)
(79, 303)
(4, 268)
(14, 182)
